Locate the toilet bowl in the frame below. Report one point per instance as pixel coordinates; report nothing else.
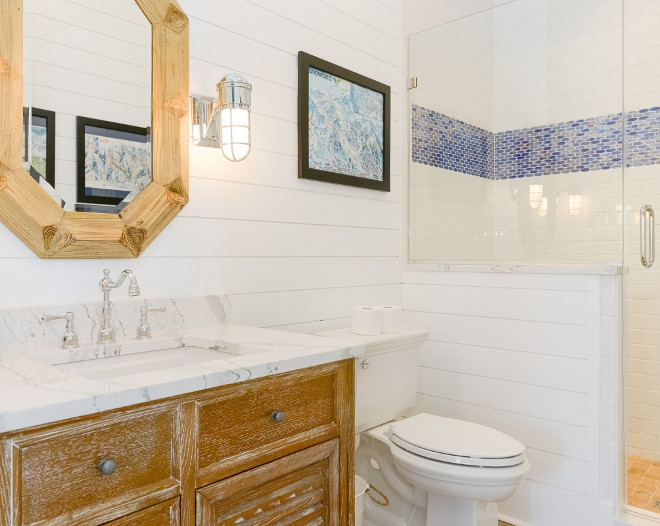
(462, 489)
(433, 470)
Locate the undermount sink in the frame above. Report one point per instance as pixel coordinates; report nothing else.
(141, 362)
(134, 356)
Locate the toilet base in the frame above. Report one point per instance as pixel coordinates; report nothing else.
(451, 511)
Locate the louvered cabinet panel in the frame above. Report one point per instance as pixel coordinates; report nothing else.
(301, 489)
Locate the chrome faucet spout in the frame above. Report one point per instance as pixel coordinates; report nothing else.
(106, 283)
(107, 332)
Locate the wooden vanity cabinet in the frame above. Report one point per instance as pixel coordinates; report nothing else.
(276, 450)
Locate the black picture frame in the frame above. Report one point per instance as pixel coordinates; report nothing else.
(90, 131)
(331, 144)
(41, 120)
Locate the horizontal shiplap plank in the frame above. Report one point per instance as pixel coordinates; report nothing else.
(359, 48)
(267, 274)
(217, 199)
(320, 16)
(88, 105)
(389, 21)
(84, 28)
(526, 399)
(536, 503)
(283, 308)
(82, 83)
(557, 372)
(561, 472)
(539, 305)
(57, 54)
(231, 238)
(517, 335)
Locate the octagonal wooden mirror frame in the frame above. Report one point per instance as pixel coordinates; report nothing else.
(33, 216)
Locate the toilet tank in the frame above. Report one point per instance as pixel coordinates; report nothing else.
(386, 376)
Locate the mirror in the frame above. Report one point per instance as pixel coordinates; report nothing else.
(29, 211)
(87, 79)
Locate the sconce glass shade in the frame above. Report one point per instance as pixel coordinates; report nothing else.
(235, 133)
(575, 204)
(235, 99)
(535, 196)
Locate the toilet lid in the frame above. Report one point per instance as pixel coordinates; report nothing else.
(456, 441)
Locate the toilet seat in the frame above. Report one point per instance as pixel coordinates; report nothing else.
(456, 441)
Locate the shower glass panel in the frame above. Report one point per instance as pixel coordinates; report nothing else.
(642, 286)
(516, 142)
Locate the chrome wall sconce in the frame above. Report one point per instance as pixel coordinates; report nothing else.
(224, 122)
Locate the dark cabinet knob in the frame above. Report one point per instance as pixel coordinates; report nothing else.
(107, 467)
(278, 416)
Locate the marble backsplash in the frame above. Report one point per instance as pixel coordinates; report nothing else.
(22, 327)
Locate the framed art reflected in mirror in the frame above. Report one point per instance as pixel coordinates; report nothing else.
(39, 143)
(113, 161)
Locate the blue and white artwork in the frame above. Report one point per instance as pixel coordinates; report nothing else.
(117, 163)
(345, 127)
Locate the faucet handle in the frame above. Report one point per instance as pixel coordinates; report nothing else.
(144, 329)
(70, 338)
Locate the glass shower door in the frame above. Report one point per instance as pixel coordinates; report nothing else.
(642, 281)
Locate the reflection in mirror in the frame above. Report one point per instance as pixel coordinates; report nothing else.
(88, 61)
(39, 144)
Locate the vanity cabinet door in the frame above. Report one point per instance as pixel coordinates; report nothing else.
(163, 514)
(301, 489)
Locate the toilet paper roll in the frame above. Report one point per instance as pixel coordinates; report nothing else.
(367, 320)
(392, 318)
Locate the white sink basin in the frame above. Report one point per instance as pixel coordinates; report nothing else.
(130, 356)
(141, 362)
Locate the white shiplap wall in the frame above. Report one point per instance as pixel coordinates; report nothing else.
(290, 252)
(535, 356)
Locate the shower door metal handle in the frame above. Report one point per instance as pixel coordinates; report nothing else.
(647, 216)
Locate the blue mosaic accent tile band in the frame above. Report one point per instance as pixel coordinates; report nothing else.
(443, 142)
(643, 137)
(576, 146)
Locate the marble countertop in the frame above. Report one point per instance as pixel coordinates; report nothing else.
(35, 388)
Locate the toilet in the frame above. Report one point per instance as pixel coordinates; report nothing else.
(423, 470)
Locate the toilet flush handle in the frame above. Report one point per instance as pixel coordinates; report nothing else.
(365, 364)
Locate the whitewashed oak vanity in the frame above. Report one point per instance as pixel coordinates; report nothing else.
(262, 435)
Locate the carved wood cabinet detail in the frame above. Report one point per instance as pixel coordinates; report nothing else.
(274, 450)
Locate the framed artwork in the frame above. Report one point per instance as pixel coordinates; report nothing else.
(113, 160)
(39, 143)
(343, 125)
